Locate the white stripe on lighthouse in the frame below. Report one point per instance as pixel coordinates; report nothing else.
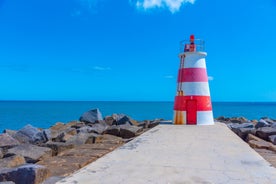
(195, 88)
(195, 63)
(205, 118)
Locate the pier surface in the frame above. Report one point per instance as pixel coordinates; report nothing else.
(182, 155)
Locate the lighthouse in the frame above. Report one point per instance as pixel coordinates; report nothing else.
(192, 105)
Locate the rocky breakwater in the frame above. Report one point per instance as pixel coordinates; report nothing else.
(32, 155)
(259, 134)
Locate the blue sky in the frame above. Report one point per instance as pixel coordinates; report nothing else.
(128, 49)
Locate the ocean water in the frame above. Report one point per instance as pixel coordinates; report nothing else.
(16, 114)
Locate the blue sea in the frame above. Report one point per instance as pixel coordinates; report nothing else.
(15, 114)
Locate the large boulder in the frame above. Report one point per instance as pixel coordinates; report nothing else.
(121, 119)
(113, 130)
(239, 120)
(235, 127)
(272, 138)
(30, 134)
(129, 131)
(91, 116)
(7, 141)
(12, 161)
(83, 138)
(31, 153)
(243, 132)
(265, 132)
(58, 147)
(262, 123)
(98, 128)
(26, 174)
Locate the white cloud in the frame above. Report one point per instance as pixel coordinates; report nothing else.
(99, 68)
(210, 78)
(172, 5)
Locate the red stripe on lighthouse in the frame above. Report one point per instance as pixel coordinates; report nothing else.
(192, 75)
(203, 103)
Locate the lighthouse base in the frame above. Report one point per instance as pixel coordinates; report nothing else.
(197, 118)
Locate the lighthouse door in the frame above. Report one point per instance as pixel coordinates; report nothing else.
(191, 109)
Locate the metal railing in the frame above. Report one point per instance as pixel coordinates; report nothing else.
(199, 45)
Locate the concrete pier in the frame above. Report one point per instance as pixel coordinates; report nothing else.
(180, 154)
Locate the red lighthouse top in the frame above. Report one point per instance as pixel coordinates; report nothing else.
(192, 45)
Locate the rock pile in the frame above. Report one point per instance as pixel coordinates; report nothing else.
(259, 134)
(32, 155)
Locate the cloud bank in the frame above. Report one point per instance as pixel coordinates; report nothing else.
(172, 5)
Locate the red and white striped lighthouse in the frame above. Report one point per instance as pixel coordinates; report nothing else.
(192, 104)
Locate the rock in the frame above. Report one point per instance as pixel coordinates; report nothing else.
(153, 124)
(262, 123)
(265, 132)
(113, 130)
(7, 182)
(52, 180)
(30, 134)
(1, 153)
(111, 139)
(60, 127)
(222, 119)
(273, 125)
(243, 125)
(109, 120)
(83, 138)
(272, 138)
(31, 153)
(10, 132)
(65, 135)
(129, 131)
(240, 120)
(121, 119)
(26, 174)
(12, 161)
(58, 147)
(91, 116)
(98, 128)
(256, 142)
(78, 125)
(7, 141)
(243, 132)
(268, 120)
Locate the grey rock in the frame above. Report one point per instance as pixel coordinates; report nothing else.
(273, 125)
(109, 120)
(10, 132)
(31, 153)
(153, 123)
(129, 131)
(240, 120)
(1, 153)
(268, 120)
(98, 128)
(7, 141)
(262, 123)
(52, 180)
(58, 147)
(12, 161)
(82, 138)
(272, 138)
(26, 174)
(265, 132)
(7, 182)
(113, 130)
(65, 135)
(91, 116)
(243, 132)
(121, 119)
(242, 125)
(30, 134)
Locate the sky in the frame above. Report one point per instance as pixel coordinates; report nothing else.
(127, 50)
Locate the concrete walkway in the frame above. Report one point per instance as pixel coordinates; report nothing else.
(182, 155)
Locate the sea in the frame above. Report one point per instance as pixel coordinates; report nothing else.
(16, 114)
